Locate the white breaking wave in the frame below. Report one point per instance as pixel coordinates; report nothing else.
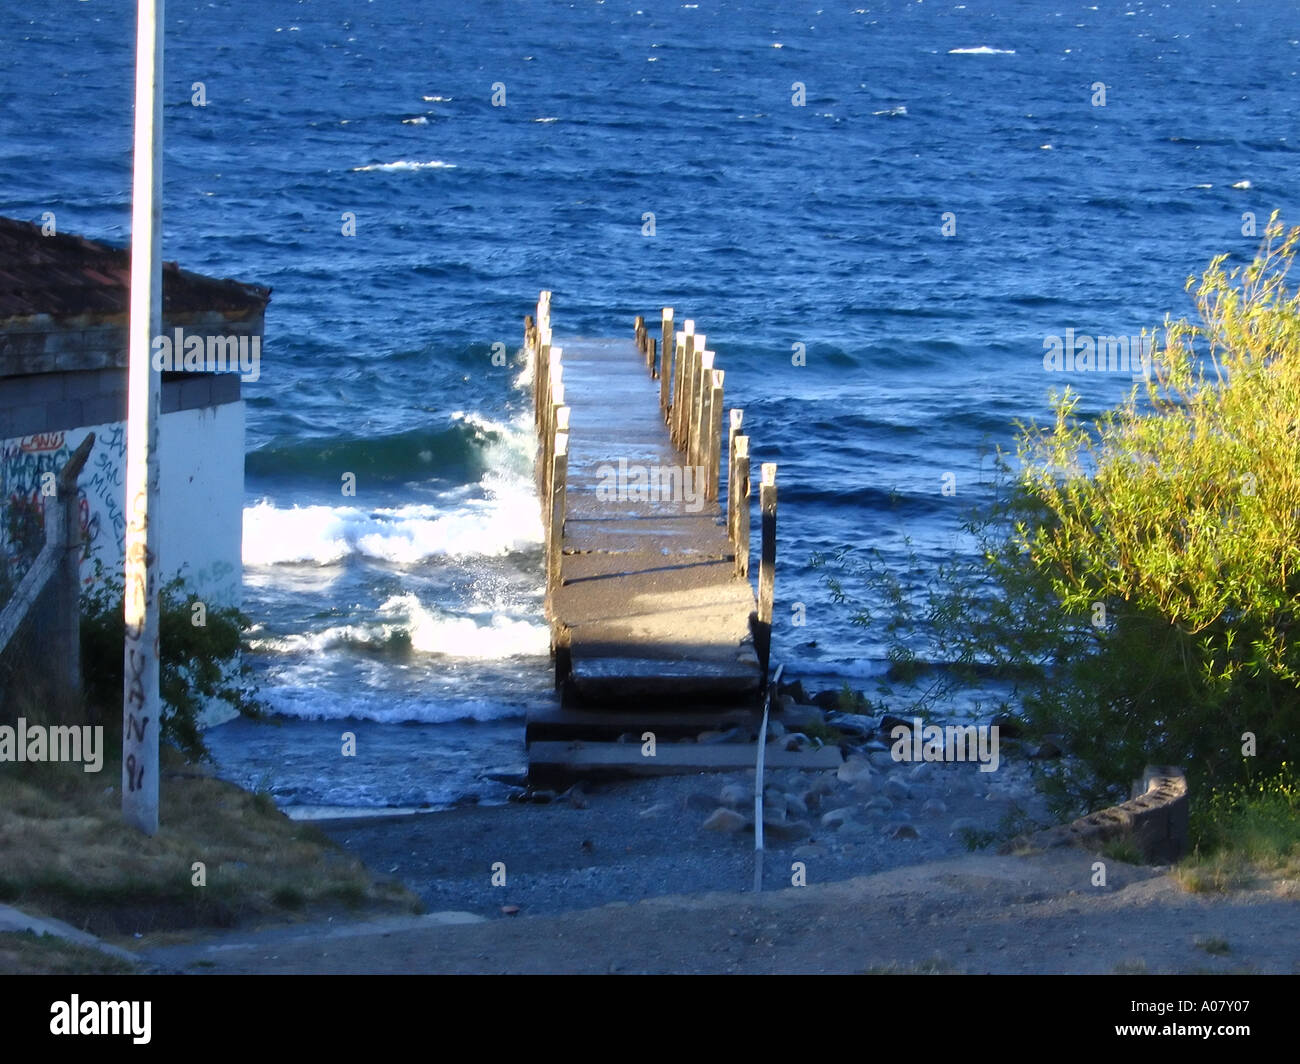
(418, 120)
(405, 164)
(483, 635)
(504, 522)
(981, 50)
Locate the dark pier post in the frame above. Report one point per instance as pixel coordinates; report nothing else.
(682, 400)
(714, 437)
(766, 566)
(741, 536)
(737, 417)
(665, 353)
(555, 530)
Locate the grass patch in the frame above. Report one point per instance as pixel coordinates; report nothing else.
(68, 854)
(1131, 966)
(1245, 836)
(1214, 945)
(1122, 850)
(26, 953)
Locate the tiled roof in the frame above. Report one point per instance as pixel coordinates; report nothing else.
(65, 275)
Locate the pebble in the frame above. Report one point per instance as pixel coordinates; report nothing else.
(854, 769)
(901, 831)
(836, 817)
(897, 789)
(934, 806)
(735, 794)
(725, 820)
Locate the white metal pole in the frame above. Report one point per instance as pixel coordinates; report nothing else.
(141, 705)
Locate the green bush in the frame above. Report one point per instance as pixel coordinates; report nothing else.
(197, 661)
(1137, 577)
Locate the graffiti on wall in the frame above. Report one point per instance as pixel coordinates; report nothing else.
(25, 488)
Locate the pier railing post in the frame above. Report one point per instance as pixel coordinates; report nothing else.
(714, 437)
(737, 417)
(665, 354)
(555, 525)
(703, 370)
(675, 397)
(742, 506)
(545, 431)
(766, 566)
(561, 427)
(682, 398)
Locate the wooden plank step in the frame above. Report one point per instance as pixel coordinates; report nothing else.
(575, 757)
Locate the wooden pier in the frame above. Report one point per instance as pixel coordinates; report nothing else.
(654, 623)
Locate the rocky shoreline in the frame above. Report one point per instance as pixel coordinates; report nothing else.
(625, 840)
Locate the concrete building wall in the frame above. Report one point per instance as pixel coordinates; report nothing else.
(201, 489)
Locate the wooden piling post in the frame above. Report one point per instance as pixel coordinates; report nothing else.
(555, 525)
(679, 360)
(548, 428)
(561, 426)
(713, 450)
(737, 417)
(766, 566)
(665, 353)
(742, 506)
(682, 398)
(541, 375)
(650, 345)
(528, 333)
(702, 370)
(638, 328)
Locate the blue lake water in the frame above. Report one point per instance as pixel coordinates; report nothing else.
(412, 613)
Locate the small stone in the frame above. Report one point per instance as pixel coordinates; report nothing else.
(725, 820)
(796, 741)
(960, 824)
(851, 829)
(788, 830)
(775, 729)
(826, 699)
(854, 769)
(1046, 750)
(836, 817)
(735, 795)
(852, 724)
(510, 910)
(879, 804)
(542, 797)
(888, 722)
(794, 690)
(934, 807)
(799, 716)
(823, 785)
(919, 772)
(897, 789)
(808, 851)
(901, 831)
(795, 806)
(577, 797)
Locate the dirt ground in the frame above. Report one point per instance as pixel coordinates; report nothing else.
(972, 914)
